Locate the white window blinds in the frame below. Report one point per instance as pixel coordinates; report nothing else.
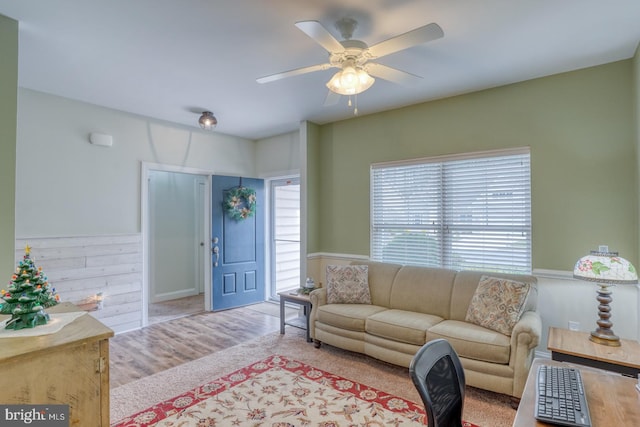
(469, 212)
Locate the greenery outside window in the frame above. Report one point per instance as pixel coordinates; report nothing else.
(464, 212)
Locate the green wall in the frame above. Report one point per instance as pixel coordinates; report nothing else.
(578, 125)
(313, 192)
(8, 122)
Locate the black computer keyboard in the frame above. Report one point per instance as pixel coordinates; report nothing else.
(560, 397)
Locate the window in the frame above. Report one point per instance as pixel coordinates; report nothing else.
(469, 212)
(285, 234)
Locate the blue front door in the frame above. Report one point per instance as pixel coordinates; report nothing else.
(237, 241)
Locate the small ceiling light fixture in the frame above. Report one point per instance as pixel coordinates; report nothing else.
(207, 120)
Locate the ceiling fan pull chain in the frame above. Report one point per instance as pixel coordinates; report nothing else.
(353, 104)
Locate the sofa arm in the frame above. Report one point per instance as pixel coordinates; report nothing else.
(318, 297)
(525, 337)
(528, 330)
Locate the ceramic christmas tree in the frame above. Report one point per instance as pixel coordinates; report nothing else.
(27, 295)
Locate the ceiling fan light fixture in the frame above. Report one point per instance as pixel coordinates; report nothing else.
(348, 77)
(207, 120)
(350, 81)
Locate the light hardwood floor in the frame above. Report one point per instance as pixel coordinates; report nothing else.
(173, 309)
(136, 354)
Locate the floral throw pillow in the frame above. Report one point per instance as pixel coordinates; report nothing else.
(348, 284)
(498, 304)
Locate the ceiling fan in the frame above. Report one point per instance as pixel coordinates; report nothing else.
(352, 57)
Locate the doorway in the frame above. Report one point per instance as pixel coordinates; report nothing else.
(175, 216)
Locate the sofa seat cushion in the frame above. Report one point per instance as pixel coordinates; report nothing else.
(347, 316)
(402, 326)
(472, 341)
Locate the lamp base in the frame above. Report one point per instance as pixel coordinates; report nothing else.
(605, 338)
(604, 334)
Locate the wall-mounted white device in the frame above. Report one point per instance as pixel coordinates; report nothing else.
(101, 139)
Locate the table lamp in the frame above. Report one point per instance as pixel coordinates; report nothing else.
(606, 269)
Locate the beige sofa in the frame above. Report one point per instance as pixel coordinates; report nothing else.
(413, 305)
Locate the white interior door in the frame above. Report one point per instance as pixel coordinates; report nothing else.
(200, 232)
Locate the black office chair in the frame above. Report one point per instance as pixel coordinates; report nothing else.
(437, 373)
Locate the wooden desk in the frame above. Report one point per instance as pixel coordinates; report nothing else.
(575, 347)
(612, 398)
(68, 367)
(301, 322)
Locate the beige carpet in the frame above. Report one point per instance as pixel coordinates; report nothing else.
(483, 408)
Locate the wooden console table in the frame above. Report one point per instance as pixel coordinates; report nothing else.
(70, 367)
(575, 347)
(301, 322)
(612, 398)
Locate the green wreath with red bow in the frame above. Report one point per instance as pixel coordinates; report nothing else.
(240, 203)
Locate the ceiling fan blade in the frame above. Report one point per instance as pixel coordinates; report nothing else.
(392, 74)
(291, 73)
(317, 32)
(332, 98)
(409, 39)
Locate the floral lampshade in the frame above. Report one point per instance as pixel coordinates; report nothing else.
(607, 269)
(603, 266)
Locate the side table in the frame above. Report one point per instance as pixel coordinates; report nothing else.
(575, 347)
(301, 322)
(69, 367)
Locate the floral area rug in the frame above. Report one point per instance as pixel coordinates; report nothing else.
(281, 392)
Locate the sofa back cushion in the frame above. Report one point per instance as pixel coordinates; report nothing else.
(381, 277)
(423, 290)
(466, 282)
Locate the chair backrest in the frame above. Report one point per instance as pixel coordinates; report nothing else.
(437, 373)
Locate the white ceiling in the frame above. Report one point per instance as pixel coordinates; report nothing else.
(171, 59)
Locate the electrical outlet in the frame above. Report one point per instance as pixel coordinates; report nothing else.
(574, 326)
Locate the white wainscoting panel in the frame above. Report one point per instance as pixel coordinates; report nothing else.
(317, 264)
(81, 267)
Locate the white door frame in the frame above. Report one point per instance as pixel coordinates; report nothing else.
(144, 225)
